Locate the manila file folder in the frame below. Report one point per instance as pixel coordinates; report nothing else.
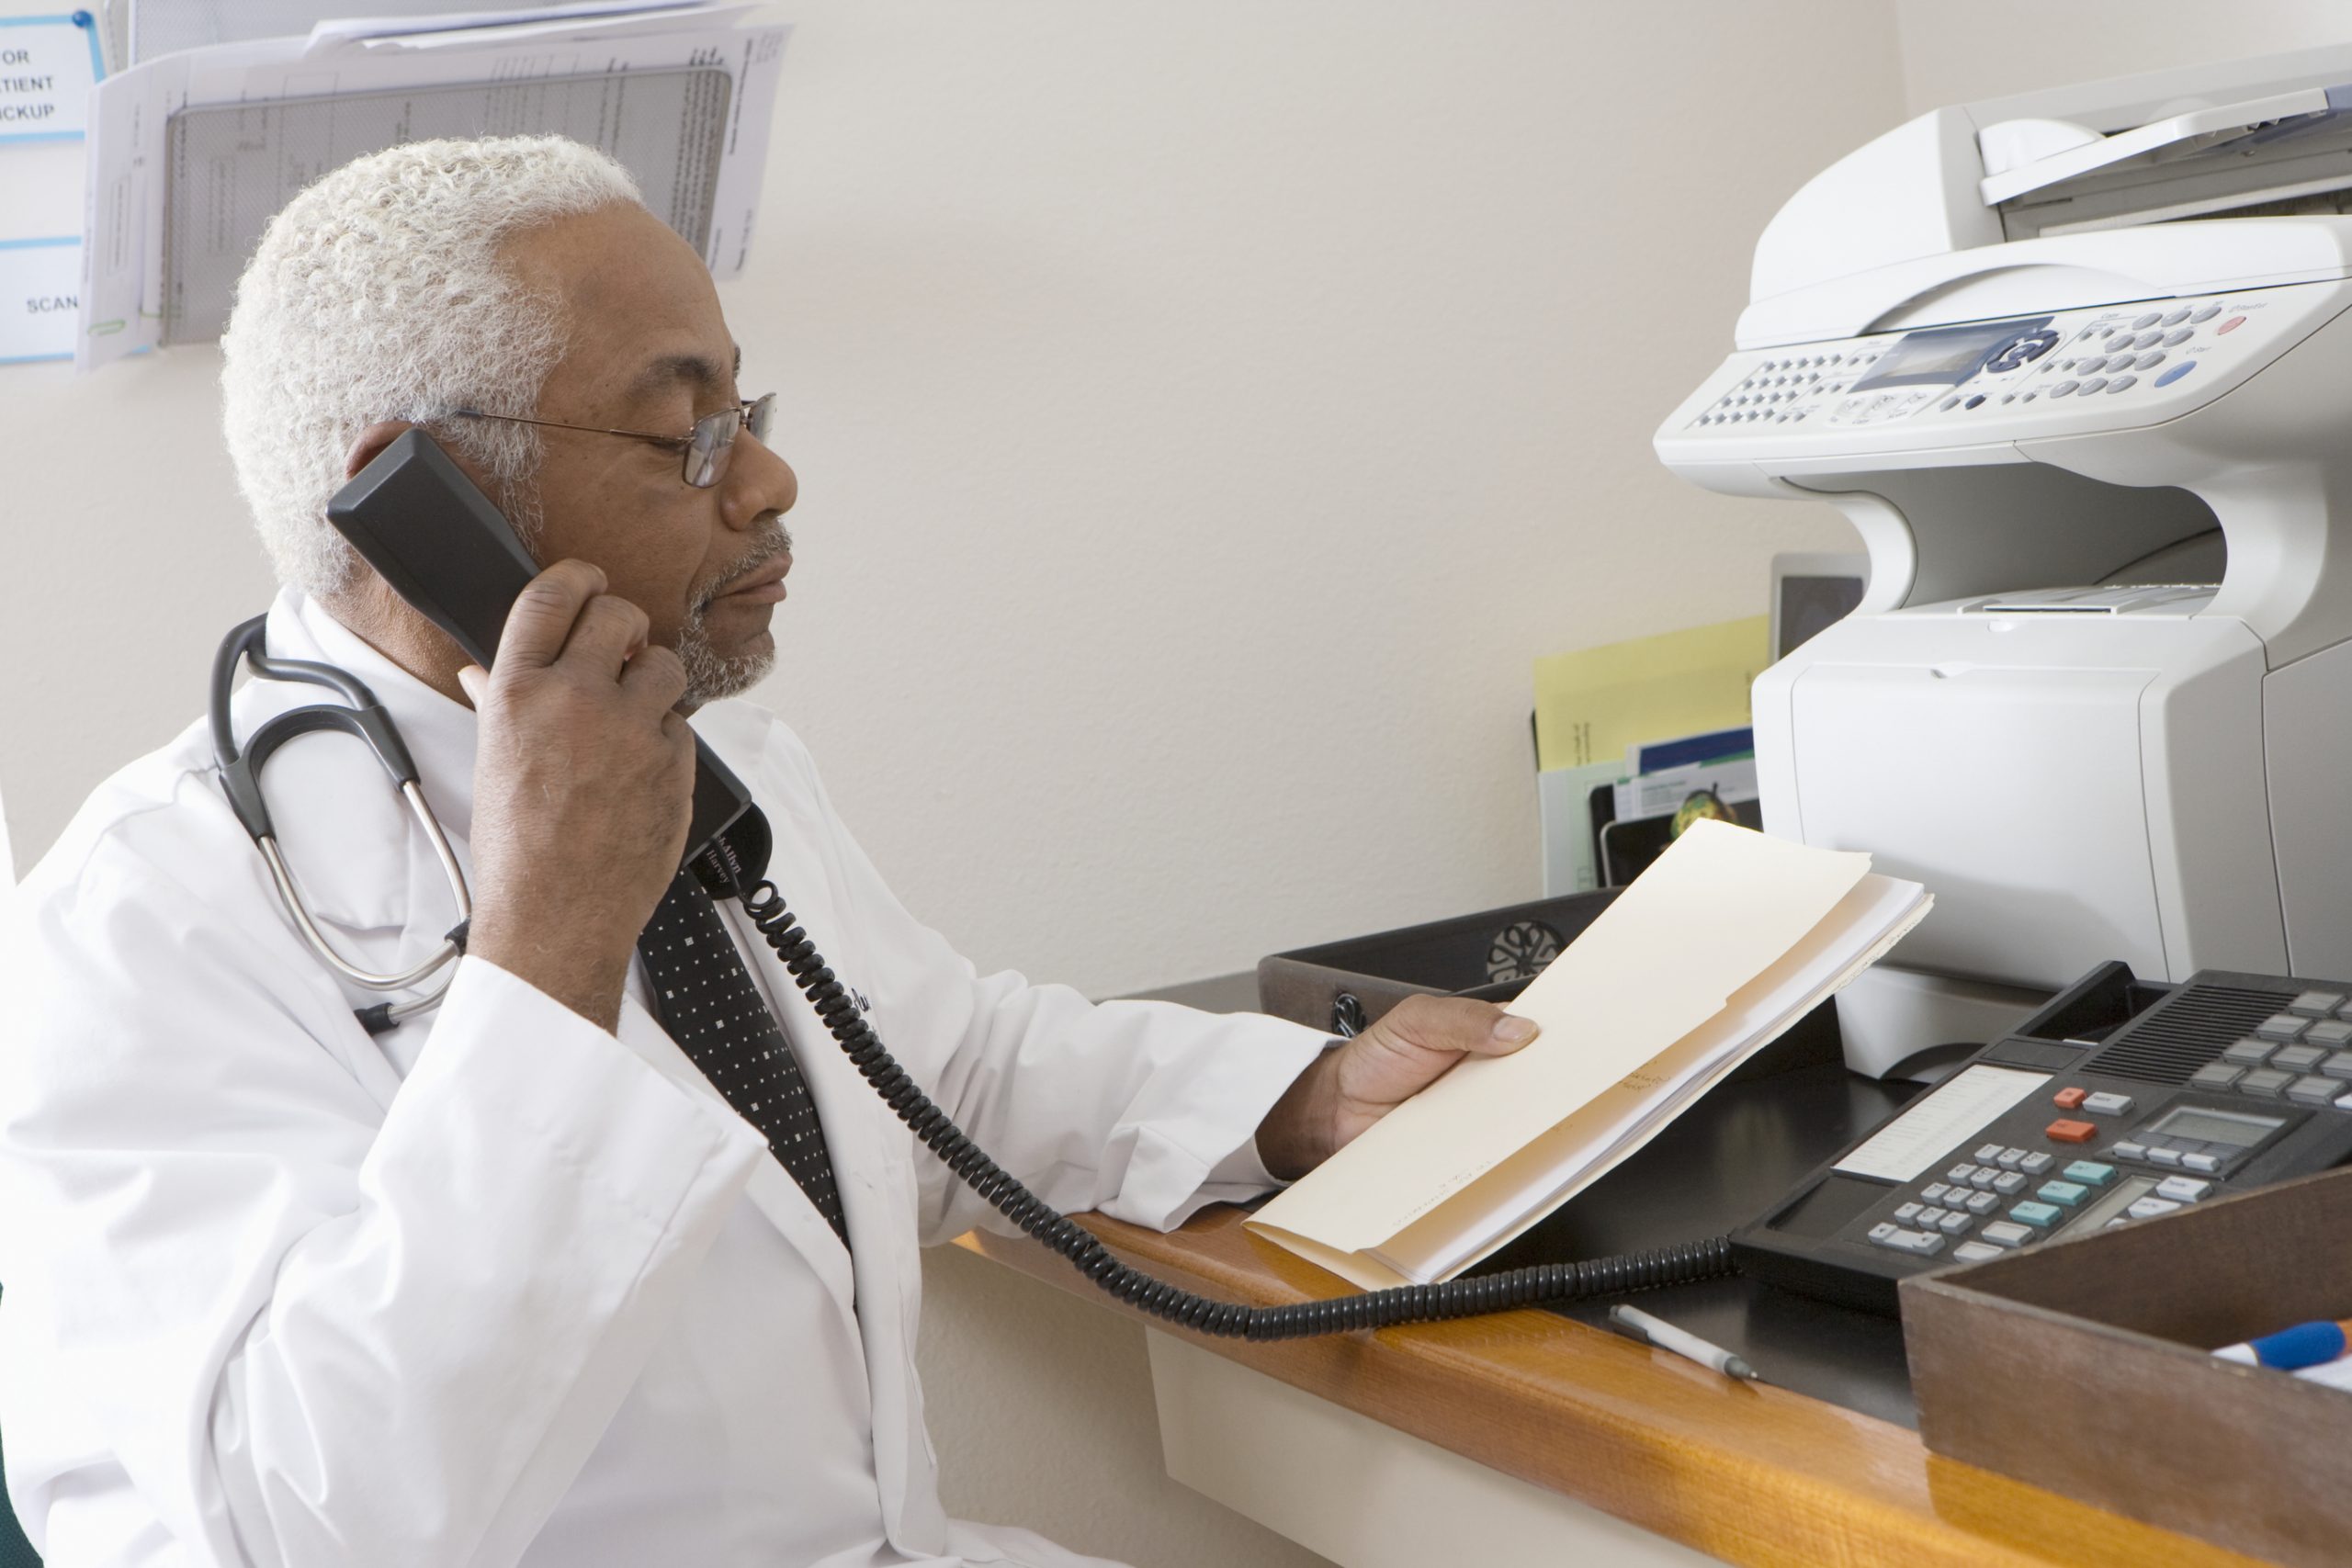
(1718, 949)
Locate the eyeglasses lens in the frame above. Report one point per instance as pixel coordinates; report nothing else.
(714, 439)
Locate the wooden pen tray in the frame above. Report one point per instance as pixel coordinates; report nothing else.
(2081, 1366)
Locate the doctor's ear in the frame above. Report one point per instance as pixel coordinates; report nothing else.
(371, 441)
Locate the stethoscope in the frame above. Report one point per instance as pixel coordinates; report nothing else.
(241, 777)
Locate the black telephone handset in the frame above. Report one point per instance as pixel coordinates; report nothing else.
(416, 517)
(413, 515)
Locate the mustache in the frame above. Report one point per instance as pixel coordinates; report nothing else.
(770, 541)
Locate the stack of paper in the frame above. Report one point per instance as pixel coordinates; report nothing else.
(1722, 946)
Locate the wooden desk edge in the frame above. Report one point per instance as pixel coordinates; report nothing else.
(1752, 1475)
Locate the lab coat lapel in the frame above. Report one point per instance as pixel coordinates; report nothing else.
(772, 1189)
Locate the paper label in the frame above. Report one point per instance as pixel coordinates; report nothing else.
(47, 66)
(40, 284)
(1954, 1111)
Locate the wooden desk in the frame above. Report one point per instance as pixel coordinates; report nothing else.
(1747, 1474)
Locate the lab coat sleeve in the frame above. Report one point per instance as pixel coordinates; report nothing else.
(304, 1326)
(1145, 1110)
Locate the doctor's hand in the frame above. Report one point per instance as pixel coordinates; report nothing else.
(583, 786)
(1348, 1088)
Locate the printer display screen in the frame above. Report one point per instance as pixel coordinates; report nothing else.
(1940, 356)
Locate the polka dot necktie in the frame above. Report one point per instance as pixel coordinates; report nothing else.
(713, 1009)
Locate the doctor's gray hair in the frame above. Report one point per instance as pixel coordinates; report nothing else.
(378, 293)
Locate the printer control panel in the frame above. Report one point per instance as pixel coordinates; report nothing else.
(2124, 359)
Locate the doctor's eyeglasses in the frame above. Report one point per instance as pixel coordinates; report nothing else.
(703, 450)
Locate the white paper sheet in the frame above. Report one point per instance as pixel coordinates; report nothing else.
(123, 304)
(167, 26)
(334, 28)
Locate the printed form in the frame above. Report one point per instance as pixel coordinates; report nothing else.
(190, 154)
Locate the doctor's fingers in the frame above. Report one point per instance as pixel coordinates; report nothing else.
(543, 616)
(1453, 1026)
(607, 634)
(656, 678)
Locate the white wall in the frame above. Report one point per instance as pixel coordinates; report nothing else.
(1991, 49)
(1205, 413)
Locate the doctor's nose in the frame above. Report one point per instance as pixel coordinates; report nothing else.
(757, 483)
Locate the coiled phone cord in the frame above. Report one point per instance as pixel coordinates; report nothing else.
(1372, 1309)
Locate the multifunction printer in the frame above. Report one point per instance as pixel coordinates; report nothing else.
(2077, 366)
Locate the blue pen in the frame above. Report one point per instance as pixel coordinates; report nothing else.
(2305, 1344)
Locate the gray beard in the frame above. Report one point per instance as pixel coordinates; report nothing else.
(711, 677)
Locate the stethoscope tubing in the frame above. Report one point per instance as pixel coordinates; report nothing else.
(240, 773)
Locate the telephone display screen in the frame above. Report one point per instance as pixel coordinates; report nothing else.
(2236, 1128)
(1942, 357)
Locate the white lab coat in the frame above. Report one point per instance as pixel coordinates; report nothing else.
(500, 1287)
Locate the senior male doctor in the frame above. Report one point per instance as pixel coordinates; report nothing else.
(517, 1281)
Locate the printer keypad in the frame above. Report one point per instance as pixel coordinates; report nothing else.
(2108, 356)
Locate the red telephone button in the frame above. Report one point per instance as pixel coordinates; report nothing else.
(2067, 1098)
(2064, 1131)
(2233, 325)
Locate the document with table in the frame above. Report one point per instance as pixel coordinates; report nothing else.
(1718, 949)
(191, 152)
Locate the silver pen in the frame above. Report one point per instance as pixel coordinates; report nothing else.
(1682, 1342)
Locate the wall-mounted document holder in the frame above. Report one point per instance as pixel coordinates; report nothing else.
(231, 167)
(190, 154)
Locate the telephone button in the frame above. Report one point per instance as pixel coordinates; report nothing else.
(2314, 1091)
(2064, 1131)
(2069, 1097)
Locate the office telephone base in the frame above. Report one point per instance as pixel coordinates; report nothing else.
(2120, 1102)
